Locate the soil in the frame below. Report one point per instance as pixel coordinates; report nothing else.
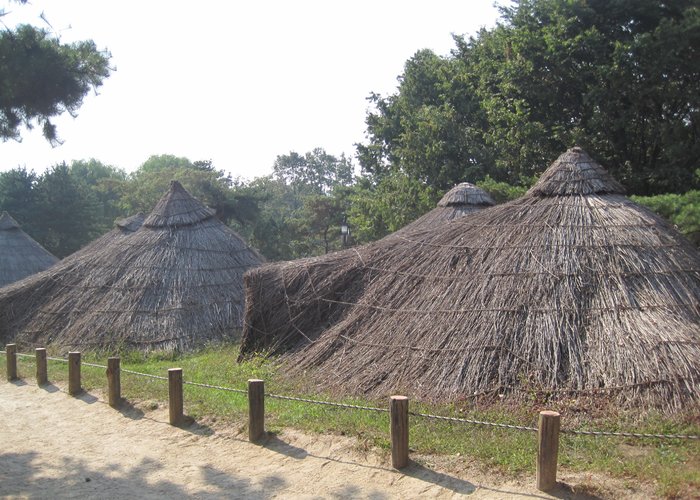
(53, 445)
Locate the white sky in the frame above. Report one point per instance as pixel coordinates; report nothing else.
(237, 82)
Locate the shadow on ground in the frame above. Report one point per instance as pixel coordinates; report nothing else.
(24, 474)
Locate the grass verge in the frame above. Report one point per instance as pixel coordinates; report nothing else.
(673, 465)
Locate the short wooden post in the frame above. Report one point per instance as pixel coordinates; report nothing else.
(548, 450)
(42, 376)
(114, 385)
(256, 409)
(74, 387)
(175, 393)
(11, 353)
(399, 431)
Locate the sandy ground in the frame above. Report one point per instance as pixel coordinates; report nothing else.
(53, 445)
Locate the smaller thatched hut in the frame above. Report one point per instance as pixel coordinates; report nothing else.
(20, 255)
(175, 283)
(463, 199)
(344, 277)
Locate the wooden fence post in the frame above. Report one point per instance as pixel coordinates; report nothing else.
(256, 409)
(548, 449)
(175, 393)
(114, 386)
(42, 376)
(74, 387)
(399, 431)
(11, 353)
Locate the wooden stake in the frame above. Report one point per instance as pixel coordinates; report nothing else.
(399, 431)
(74, 387)
(42, 376)
(548, 450)
(256, 409)
(176, 399)
(11, 353)
(114, 386)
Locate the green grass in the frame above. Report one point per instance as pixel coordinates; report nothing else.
(674, 465)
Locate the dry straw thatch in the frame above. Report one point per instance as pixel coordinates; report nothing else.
(572, 289)
(174, 283)
(20, 255)
(463, 199)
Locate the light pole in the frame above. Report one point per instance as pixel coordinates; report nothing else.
(344, 231)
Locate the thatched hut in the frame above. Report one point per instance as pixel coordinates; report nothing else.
(463, 199)
(345, 276)
(175, 283)
(571, 289)
(20, 255)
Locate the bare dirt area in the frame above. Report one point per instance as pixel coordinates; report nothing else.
(53, 445)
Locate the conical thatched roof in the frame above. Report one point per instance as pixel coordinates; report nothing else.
(173, 284)
(20, 255)
(572, 288)
(465, 198)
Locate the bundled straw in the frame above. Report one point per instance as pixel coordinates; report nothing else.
(20, 255)
(463, 199)
(174, 283)
(570, 289)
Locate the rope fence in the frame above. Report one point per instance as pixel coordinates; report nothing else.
(548, 429)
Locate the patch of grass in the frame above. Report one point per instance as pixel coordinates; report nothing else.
(674, 465)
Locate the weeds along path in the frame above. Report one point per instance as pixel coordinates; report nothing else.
(56, 446)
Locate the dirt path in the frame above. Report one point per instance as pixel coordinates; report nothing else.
(56, 446)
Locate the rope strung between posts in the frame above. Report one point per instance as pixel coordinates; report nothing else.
(208, 386)
(629, 434)
(476, 422)
(157, 377)
(386, 410)
(327, 403)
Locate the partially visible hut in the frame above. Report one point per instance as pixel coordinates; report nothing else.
(572, 289)
(463, 199)
(20, 254)
(344, 276)
(176, 283)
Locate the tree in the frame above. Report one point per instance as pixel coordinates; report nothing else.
(377, 210)
(41, 78)
(430, 129)
(73, 208)
(620, 78)
(107, 184)
(317, 171)
(18, 197)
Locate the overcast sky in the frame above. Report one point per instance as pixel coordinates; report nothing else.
(238, 83)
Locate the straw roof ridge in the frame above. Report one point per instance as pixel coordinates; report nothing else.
(131, 223)
(177, 208)
(577, 291)
(7, 222)
(466, 193)
(575, 173)
(463, 199)
(20, 254)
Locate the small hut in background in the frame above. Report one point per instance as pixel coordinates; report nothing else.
(175, 283)
(571, 290)
(20, 255)
(463, 199)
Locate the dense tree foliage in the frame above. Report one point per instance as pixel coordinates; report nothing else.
(621, 78)
(40, 78)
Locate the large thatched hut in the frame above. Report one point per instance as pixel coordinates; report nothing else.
(463, 199)
(174, 283)
(20, 255)
(571, 289)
